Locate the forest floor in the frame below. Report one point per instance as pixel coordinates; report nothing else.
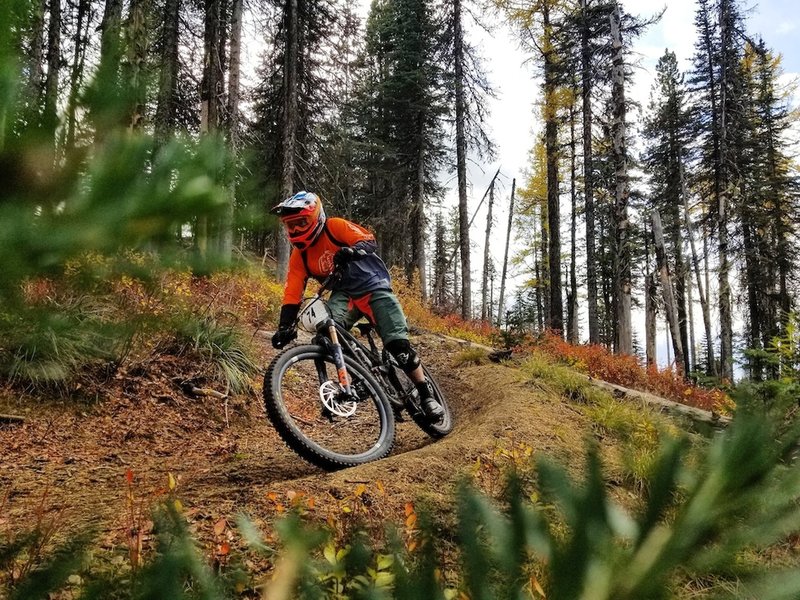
(70, 464)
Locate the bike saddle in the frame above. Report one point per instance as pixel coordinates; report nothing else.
(364, 328)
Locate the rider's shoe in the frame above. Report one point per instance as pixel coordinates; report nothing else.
(432, 409)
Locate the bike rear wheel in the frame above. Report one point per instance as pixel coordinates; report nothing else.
(302, 401)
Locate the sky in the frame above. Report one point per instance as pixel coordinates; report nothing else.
(515, 123)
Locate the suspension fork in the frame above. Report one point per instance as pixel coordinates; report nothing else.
(338, 358)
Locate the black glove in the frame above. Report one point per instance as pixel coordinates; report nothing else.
(347, 254)
(286, 326)
(283, 336)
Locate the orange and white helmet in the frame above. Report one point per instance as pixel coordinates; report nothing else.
(303, 217)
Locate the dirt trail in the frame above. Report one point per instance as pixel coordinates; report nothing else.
(78, 456)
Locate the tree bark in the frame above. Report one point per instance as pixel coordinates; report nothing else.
(418, 210)
(76, 74)
(622, 266)
(50, 116)
(588, 176)
(461, 161)
(137, 32)
(501, 300)
(289, 125)
(650, 307)
(556, 314)
(486, 311)
(36, 54)
(572, 296)
(723, 274)
(234, 75)
(168, 76)
(650, 318)
(692, 352)
(667, 291)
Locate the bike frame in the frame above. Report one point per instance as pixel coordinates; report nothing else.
(336, 339)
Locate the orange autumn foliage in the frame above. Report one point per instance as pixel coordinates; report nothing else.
(598, 361)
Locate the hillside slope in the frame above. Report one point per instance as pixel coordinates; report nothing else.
(75, 458)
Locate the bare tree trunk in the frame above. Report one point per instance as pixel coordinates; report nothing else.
(650, 317)
(556, 314)
(501, 301)
(36, 53)
(622, 266)
(76, 75)
(543, 278)
(572, 295)
(50, 117)
(461, 161)
(486, 311)
(168, 76)
(419, 226)
(690, 315)
(209, 98)
(588, 176)
(289, 125)
(234, 74)
(650, 307)
(667, 291)
(137, 32)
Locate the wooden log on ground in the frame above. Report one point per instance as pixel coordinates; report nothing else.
(13, 419)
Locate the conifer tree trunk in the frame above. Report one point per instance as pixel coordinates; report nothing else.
(622, 267)
(50, 117)
(168, 75)
(667, 291)
(234, 74)
(556, 312)
(461, 162)
(36, 53)
(137, 34)
(692, 352)
(289, 125)
(543, 277)
(419, 261)
(501, 301)
(486, 310)
(209, 97)
(572, 295)
(588, 176)
(650, 317)
(723, 274)
(110, 47)
(76, 74)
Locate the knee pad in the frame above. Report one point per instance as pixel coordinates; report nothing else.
(404, 354)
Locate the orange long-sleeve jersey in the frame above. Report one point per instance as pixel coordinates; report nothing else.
(359, 276)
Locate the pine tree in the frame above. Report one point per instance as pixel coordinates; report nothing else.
(667, 130)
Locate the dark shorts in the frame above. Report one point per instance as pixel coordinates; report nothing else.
(381, 307)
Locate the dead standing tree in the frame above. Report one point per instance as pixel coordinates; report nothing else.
(670, 305)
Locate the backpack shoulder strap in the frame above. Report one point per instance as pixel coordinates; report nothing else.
(331, 237)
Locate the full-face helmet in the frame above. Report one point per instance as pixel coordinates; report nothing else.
(303, 217)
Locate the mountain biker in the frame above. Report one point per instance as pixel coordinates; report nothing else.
(364, 288)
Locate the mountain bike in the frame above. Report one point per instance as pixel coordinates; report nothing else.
(334, 401)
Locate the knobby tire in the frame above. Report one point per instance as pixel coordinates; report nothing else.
(293, 435)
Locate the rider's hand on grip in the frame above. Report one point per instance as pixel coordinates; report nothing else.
(343, 256)
(348, 254)
(283, 336)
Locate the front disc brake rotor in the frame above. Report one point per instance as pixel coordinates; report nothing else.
(329, 393)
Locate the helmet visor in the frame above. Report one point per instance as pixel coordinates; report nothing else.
(298, 224)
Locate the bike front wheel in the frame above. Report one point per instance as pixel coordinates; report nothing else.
(303, 401)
